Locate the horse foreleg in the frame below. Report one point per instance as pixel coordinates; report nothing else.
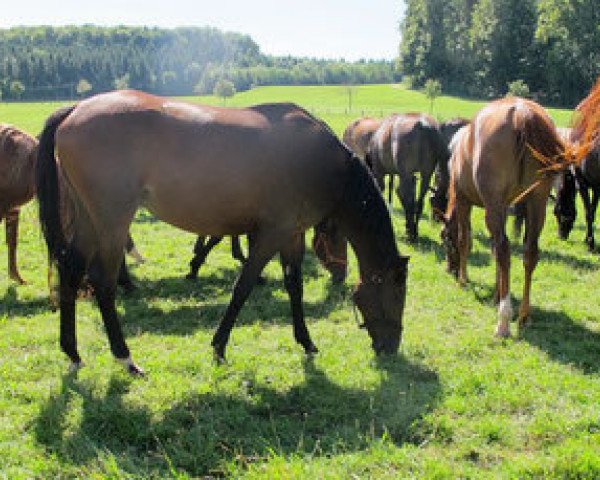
(236, 249)
(406, 193)
(496, 223)
(105, 291)
(535, 216)
(587, 206)
(592, 213)
(263, 248)
(12, 233)
(464, 239)
(132, 250)
(291, 262)
(201, 251)
(124, 279)
(390, 188)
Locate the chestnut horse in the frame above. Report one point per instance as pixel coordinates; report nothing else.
(270, 170)
(18, 153)
(492, 164)
(407, 144)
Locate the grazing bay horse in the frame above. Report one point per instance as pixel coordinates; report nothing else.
(329, 245)
(587, 174)
(271, 170)
(496, 159)
(405, 145)
(18, 153)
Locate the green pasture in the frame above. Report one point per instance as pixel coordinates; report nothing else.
(454, 403)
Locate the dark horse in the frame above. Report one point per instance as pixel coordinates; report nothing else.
(492, 164)
(441, 178)
(407, 144)
(586, 175)
(329, 246)
(270, 170)
(18, 153)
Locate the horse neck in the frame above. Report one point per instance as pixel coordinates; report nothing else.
(366, 222)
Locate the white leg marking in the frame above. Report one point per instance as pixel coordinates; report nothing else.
(505, 315)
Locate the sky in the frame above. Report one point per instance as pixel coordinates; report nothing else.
(350, 29)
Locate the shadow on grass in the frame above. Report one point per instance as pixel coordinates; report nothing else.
(268, 304)
(11, 305)
(563, 340)
(204, 431)
(555, 256)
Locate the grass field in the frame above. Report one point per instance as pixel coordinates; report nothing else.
(455, 402)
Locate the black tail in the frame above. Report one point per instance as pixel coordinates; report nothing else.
(47, 185)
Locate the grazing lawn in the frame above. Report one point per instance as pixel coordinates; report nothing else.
(455, 402)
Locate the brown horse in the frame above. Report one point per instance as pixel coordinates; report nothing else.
(358, 134)
(328, 244)
(441, 179)
(18, 153)
(270, 170)
(407, 144)
(492, 164)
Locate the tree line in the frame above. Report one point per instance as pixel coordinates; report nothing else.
(63, 62)
(479, 47)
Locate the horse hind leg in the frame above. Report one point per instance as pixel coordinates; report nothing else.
(495, 220)
(202, 248)
(103, 275)
(535, 216)
(12, 233)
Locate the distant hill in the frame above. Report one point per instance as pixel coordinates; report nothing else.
(65, 62)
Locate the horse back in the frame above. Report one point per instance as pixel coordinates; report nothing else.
(208, 170)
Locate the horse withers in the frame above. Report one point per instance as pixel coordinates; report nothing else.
(270, 170)
(407, 145)
(495, 161)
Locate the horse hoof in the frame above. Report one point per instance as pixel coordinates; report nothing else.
(17, 278)
(75, 367)
(131, 367)
(191, 277)
(261, 280)
(502, 332)
(219, 354)
(311, 349)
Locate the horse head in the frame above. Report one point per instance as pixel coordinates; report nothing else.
(449, 236)
(564, 209)
(380, 299)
